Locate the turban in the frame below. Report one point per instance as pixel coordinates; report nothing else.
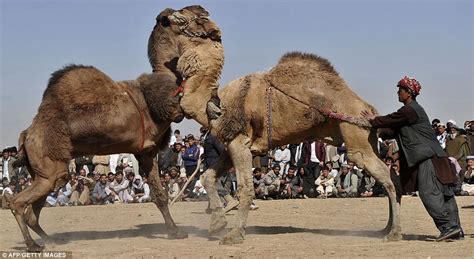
(410, 84)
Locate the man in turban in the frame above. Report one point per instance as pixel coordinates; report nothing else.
(424, 166)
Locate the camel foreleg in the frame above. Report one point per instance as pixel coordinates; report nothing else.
(160, 198)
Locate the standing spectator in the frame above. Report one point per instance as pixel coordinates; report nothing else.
(166, 159)
(113, 162)
(470, 136)
(84, 161)
(282, 158)
(101, 193)
(129, 160)
(441, 135)
(347, 182)
(457, 146)
(423, 162)
(325, 183)
(101, 164)
(190, 158)
(7, 164)
(176, 138)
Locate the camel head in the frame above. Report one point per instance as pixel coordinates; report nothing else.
(191, 21)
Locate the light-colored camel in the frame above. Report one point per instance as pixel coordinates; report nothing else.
(301, 98)
(85, 112)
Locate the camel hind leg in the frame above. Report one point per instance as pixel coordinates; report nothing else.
(35, 195)
(242, 159)
(362, 150)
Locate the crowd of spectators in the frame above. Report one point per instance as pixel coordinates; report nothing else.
(306, 170)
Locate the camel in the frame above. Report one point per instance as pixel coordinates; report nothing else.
(302, 97)
(84, 112)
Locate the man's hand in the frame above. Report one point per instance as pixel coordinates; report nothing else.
(368, 115)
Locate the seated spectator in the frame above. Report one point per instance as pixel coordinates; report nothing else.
(81, 195)
(199, 192)
(102, 193)
(171, 185)
(272, 183)
(140, 190)
(111, 176)
(119, 188)
(346, 182)
(21, 184)
(258, 184)
(467, 187)
(367, 183)
(64, 194)
(325, 183)
(181, 182)
(309, 187)
(51, 199)
(7, 194)
(293, 187)
(332, 172)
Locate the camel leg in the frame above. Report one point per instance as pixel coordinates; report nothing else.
(209, 181)
(242, 160)
(160, 196)
(380, 172)
(32, 218)
(37, 191)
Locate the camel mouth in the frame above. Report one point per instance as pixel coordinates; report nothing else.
(215, 35)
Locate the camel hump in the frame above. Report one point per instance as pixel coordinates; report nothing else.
(311, 59)
(66, 72)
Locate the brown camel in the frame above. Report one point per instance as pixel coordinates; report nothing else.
(301, 98)
(85, 112)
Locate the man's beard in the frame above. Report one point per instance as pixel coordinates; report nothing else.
(452, 135)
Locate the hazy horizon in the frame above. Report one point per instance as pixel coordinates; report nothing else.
(372, 44)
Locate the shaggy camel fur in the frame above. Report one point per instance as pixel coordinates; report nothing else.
(85, 112)
(199, 60)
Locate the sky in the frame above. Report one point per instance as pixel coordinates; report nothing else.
(372, 44)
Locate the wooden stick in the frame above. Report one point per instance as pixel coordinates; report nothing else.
(187, 182)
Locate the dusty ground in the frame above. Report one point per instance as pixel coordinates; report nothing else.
(283, 228)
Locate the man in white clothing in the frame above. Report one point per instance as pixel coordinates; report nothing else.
(282, 158)
(120, 188)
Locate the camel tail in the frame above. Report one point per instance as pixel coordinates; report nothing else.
(22, 156)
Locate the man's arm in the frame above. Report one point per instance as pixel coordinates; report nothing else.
(405, 115)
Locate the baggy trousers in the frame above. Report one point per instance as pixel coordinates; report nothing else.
(437, 198)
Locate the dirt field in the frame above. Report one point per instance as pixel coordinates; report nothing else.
(283, 228)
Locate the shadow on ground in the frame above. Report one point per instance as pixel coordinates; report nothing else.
(158, 231)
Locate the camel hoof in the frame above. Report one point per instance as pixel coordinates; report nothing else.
(179, 234)
(232, 238)
(218, 221)
(35, 248)
(392, 237)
